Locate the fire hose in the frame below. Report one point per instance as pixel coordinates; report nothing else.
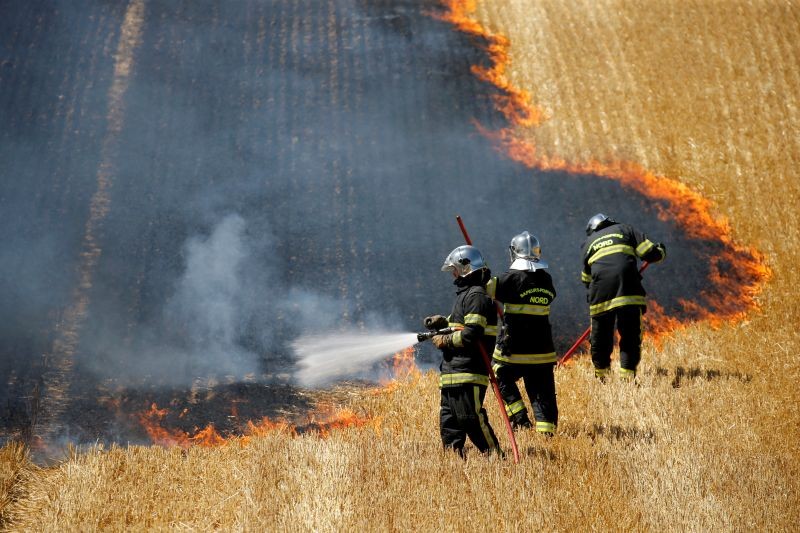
(488, 363)
(566, 357)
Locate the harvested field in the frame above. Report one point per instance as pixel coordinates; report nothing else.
(704, 95)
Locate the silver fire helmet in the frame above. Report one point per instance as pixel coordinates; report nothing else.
(463, 261)
(596, 222)
(526, 253)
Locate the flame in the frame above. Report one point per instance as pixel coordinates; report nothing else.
(728, 298)
(513, 102)
(323, 421)
(328, 418)
(267, 426)
(325, 418)
(404, 366)
(151, 422)
(401, 368)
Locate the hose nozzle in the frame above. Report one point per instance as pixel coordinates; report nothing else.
(428, 335)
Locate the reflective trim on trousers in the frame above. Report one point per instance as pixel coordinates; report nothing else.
(487, 434)
(619, 301)
(514, 408)
(526, 358)
(545, 427)
(449, 380)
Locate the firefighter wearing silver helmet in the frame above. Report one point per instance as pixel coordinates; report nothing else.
(464, 376)
(616, 295)
(525, 347)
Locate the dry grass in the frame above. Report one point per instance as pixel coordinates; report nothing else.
(707, 93)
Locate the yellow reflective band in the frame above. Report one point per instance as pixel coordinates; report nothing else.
(449, 380)
(526, 358)
(526, 309)
(619, 301)
(456, 325)
(487, 433)
(496, 367)
(545, 427)
(515, 407)
(609, 250)
(585, 277)
(605, 238)
(645, 246)
(458, 342)
(476, 319)
(600, 372)
(491, 288)
(627, 373)
(490, 330)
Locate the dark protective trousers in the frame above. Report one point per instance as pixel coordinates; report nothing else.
(628, 319)
(541, 388)
(462, 415)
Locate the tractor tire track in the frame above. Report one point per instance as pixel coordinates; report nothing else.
(50, 400)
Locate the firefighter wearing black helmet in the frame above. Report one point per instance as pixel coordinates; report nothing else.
(525, 343)
(616, 294)
(464, 376)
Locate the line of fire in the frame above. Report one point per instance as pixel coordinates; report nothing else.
(188, 191)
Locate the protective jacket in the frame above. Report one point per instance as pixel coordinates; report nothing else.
(475, 316)
(610, 266)
(526, 336)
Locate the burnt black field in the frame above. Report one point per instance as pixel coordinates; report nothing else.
(280, 167)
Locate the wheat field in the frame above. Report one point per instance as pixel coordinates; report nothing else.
(706, 93)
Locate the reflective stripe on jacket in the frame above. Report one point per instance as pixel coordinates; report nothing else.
(610, 267)
(526, 337)
(474, 312)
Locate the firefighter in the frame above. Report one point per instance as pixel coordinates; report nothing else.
(610, 272)
(524, 347)
(464, 375)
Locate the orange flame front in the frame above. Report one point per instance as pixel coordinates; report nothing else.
(404, 366)
(325, 419)
(514, 103)
(729, 299)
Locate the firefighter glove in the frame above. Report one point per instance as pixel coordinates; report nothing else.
(443, 342)
(435, 322)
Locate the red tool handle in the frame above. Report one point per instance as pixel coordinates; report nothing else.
(566, 357)
(488, 363)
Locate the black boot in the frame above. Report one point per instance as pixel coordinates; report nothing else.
(520, 421)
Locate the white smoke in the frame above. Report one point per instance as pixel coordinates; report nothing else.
(212, 302)
(232, 314)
